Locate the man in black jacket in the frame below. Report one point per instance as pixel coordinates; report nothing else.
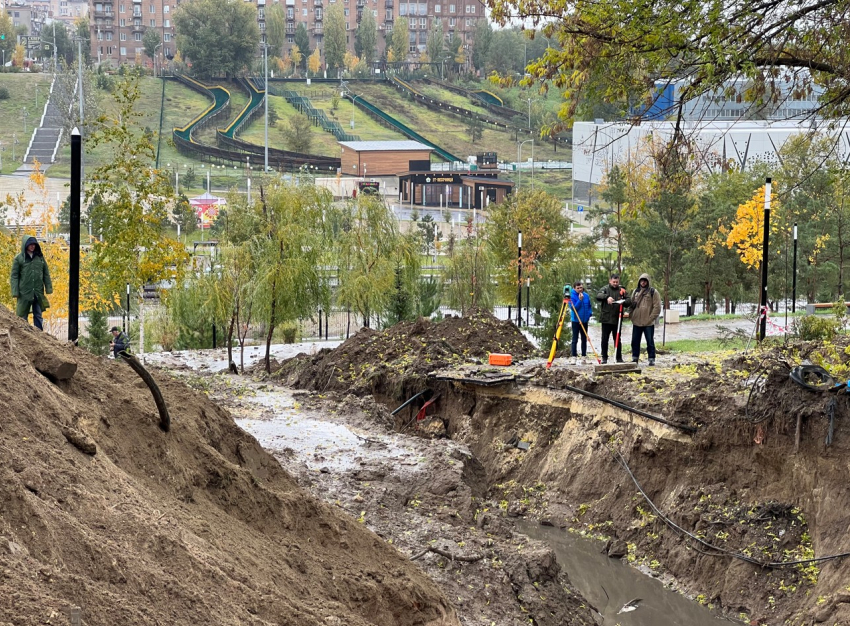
(120, 341)
(613, 301)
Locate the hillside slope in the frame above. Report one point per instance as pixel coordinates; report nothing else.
(100, 509)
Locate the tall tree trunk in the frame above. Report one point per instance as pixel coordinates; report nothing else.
(619, 241)
(271, 326)
(230, 337)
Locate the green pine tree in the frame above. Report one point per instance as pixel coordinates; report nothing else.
(98, 337)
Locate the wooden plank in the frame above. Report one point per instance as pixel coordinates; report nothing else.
(616, 368)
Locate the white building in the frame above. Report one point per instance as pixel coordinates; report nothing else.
(599, 146)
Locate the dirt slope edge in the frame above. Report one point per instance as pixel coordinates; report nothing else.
(100, 509)
(741, 487)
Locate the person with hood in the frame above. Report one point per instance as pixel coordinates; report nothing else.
(613, 299)
(646, 307)
(120, 341)
(580, 312)
(31, 281)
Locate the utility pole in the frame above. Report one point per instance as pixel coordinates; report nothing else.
(80, 76)
(519, 281)
(794, 274)
(266, 107)
(74, 254)
(764, 259)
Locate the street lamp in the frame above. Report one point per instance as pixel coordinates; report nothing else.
(519, 158)
(266, 107)
(25, 113)
(154, 59)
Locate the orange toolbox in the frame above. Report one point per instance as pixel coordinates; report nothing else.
(500, 359)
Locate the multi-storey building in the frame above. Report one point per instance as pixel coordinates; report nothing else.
(118, 25)
(30, 17)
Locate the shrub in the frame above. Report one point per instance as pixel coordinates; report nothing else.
(160, 330)
(4, 93)
(813, 327)
(288, 332)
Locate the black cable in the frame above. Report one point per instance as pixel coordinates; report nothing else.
(830, 413)
(722, 551)
(656, 418)
(409, 400)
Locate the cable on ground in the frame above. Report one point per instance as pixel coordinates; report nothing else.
(718, 551)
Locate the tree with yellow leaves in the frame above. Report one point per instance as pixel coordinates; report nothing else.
(18, 56)
(284, 65)
(314, 63)
(746, 234)
(350, 60)
(134, 249)
(36, 216)
(295, 57)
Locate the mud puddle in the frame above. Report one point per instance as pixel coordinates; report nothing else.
(315, 443)
(610, 584)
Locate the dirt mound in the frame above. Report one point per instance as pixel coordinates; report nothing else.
(393, 362)
(102, 510)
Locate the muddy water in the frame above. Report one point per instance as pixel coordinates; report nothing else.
(608, 584)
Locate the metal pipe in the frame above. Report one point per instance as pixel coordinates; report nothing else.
(794, 274)
(764, 260)
(74, 242)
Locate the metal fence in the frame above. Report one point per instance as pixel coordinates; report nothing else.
(339, 324)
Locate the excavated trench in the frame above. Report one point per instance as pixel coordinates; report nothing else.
(738, 496)
(731, 515)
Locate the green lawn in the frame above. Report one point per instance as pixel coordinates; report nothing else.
(182, 104)
(450, 131)
(702, 345)
(444, 95)
(19, 114)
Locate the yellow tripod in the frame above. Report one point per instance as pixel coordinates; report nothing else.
(561, 315)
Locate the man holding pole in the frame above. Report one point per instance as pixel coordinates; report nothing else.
(580, 312)
(613, 301)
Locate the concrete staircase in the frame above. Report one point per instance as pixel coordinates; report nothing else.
(44, 144)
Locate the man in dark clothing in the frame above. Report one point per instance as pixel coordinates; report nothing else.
(31, 281)
(613, 300)
(646, 307)
(120, 341)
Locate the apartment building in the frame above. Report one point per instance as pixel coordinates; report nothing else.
(117, 27)
(30, 17)
(458, 19)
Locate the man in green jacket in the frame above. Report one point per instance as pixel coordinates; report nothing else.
(613, 300)
(646, 307)
(31, 281)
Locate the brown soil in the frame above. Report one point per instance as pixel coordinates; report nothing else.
(429, 502)
(753, 491)
(100, 509)
(394, 362)
(740, 485)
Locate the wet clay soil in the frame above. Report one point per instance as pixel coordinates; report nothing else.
(102, 510)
